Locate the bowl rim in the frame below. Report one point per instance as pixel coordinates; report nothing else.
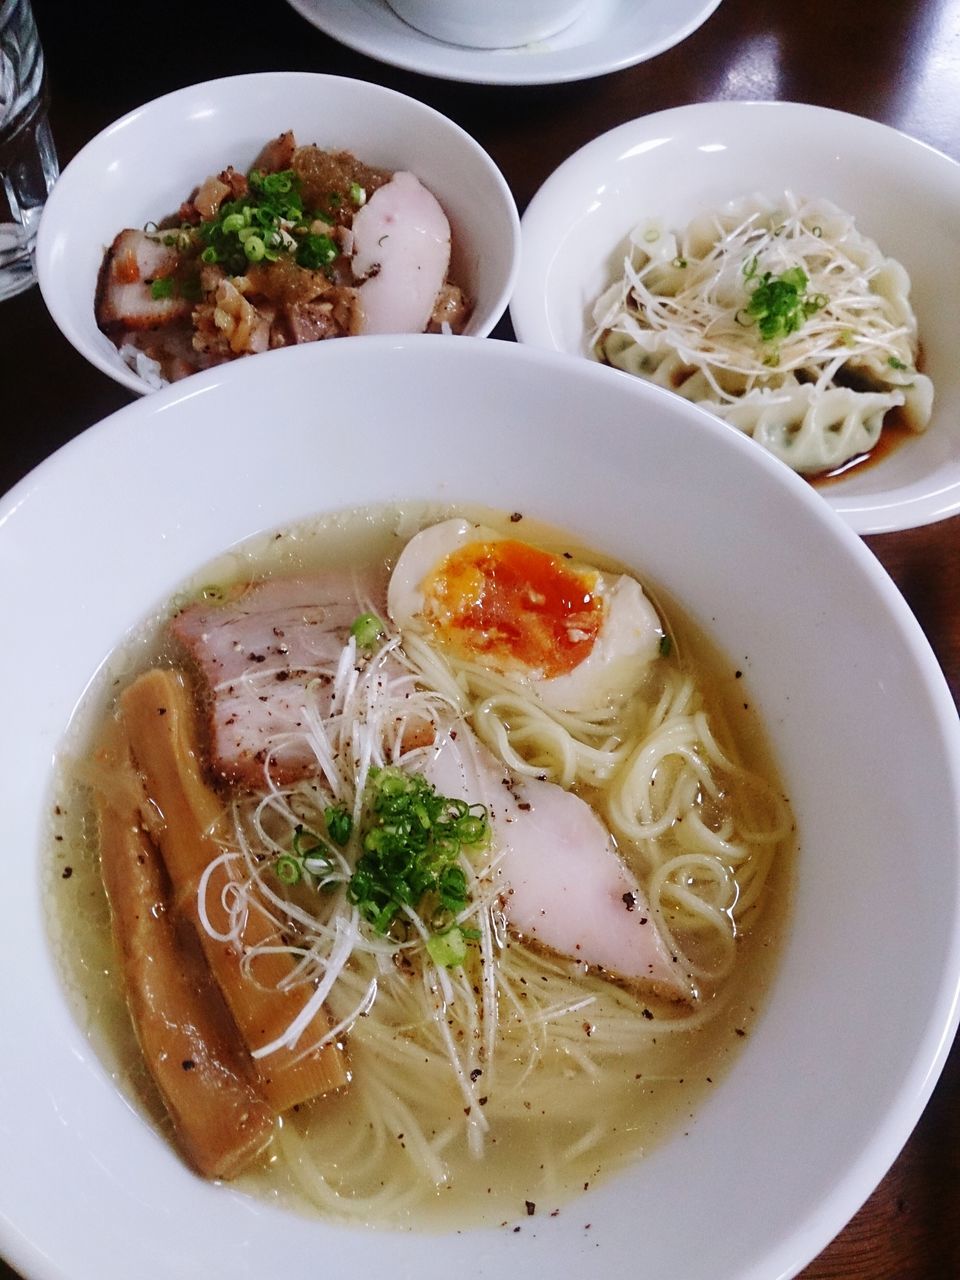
(56, 300)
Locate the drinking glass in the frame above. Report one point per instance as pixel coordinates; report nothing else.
(28, 159)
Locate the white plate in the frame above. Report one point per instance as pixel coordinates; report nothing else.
(612, 34)
(676, 163)
(863, 1006)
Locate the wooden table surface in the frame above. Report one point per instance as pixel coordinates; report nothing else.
(896, 61)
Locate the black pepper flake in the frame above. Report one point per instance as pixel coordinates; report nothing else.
(161, 711)
(515, 517)
(643, 919)
(515, 1230)
(738, 675)
(740, 1031)
(525, 808)
(531, 1208)
(482, 1101)
(188, 1064)
(282, 675)
(648, 1014)
(630, 901)
(475, 1074)
(67, 873)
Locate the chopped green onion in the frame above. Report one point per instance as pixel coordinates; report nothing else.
(315, 252)
(288, 869)
(366, 630)
(447, 949)
(209, 254)
(411, 851)
(894, 363)
(778, 304)
(357, 194)
(254, 248)
(339, 823)
(233, 222)
(161, 288)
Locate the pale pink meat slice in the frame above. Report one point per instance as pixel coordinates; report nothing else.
(258, 653)
(565, 885)
(401, 242)
(124, 296)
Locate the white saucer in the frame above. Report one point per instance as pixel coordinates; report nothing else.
(611, 35)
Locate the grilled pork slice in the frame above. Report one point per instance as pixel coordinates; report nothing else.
(189, 1041)
(258, 653)
(565, 885)
(124, 298)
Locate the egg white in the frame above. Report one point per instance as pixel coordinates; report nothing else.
(627, 642)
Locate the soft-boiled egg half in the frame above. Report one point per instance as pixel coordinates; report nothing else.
(577, 636)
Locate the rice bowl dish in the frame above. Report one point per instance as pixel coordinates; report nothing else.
(147, 164)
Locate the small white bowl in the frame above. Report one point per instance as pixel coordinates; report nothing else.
(489, 24)
(677, 163)
(863, 1006)
(146, 164)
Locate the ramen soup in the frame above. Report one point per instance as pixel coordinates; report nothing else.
(418, 867)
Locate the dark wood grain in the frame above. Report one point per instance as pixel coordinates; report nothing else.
(897, 61)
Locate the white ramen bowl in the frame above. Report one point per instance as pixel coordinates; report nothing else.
(677, 163)
(488, 24)
(146, 164)
(786, 1147)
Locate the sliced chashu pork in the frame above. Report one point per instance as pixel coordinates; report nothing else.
(565, 885)
(401, 250)
(258, 653)
(124, 298)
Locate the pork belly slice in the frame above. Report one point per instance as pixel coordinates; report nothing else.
(257, 654)
(187, 819)
(189, 1041)
(565, 886)
(124, 299)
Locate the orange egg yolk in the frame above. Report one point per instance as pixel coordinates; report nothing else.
(514, 605)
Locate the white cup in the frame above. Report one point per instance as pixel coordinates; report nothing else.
(489, 24)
